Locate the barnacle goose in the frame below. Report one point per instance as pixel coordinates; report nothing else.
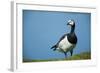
(68, 41)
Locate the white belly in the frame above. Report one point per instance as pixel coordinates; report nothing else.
(65, 46)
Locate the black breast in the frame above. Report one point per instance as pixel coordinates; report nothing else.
(72, 38)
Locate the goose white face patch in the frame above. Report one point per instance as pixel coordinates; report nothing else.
(71, 22)
(65, 45)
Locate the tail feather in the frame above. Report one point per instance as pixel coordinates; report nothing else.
(55, 46)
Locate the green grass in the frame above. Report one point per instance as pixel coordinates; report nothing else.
(81, 56)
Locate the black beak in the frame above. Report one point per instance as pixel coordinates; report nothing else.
(68, 24)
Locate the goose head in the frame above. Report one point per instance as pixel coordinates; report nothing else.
(71, 23)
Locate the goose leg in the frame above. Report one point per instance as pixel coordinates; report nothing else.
(71, 52)
(65, 54)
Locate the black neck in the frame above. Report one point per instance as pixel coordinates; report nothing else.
(72, 29)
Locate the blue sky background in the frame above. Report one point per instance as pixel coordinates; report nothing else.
(43, 29)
